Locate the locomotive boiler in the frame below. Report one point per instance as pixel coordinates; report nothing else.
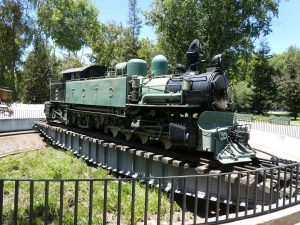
(183, 110)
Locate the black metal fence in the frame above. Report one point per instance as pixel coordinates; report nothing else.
(139, 201)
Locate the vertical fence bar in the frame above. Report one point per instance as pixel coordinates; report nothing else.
(1, 199)
(228, 195)
(263, 192)
(61, 202)
(146, 202)
(284, 185)
(76, 202)
(237, 208)
(247, 194)
(132, 202)
(46, 201)
(31, 193)
(196, 200)
(183, 202)
(207, 198)
(291, 184)
(278, 188)
(172, 202)
(271, 190)
(91, 202)
(159, 202)
(218, 199)
(255, 192)
(16, 202)
(297, 181)
(119, 202)
(104, 202)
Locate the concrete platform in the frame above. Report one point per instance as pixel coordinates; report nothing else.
(281, 146)
(288, 216)
(19, 143)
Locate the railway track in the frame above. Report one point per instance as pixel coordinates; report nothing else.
(260, 182)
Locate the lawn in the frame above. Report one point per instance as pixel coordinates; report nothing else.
(268, 119)
(55, 164)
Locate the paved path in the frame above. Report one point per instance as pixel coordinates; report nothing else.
(14, 143)
(281, 146)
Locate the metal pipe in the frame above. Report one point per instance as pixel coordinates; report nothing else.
(160, 98)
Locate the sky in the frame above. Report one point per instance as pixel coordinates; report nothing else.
(117, 11)
(286, 28)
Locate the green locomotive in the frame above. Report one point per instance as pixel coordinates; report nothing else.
(181, 110)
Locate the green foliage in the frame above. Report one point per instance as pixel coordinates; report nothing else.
(287, 67)
(113, 44)
(70, 60)
(264, 90)
(242, 96)
(15, 36)
(262, 118)
(244, 68)
(68, 22)
(147, 50)
(37, 72)
(52, 164)
(177, 22)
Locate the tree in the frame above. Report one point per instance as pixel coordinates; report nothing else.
(113, 43)
(264, 88)
(68, 22)
(147, 50)
(67, 61)
(134, 21)
(37, 72)
(287, 68)
(15, 36)
(242, 97)
(178, 22)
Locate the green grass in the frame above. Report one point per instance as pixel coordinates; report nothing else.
(295, 122)
(263, 118)
(55, 164)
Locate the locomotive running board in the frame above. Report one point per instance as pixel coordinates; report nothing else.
(139, 163)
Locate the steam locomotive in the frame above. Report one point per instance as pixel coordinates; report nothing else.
(183, 110)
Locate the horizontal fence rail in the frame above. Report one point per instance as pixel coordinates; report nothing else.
(140, 200)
